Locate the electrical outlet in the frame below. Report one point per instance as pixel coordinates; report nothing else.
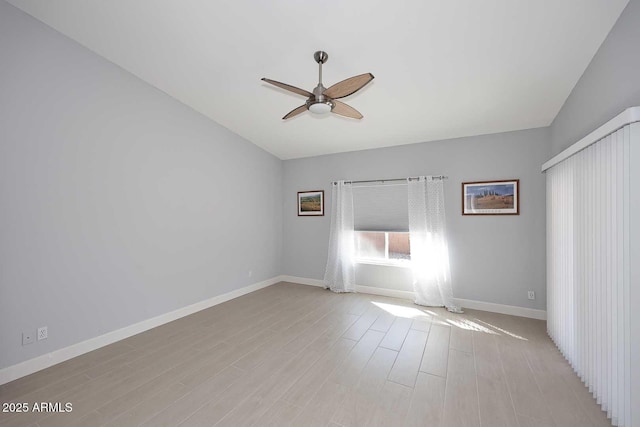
(531, 295)
(43, 333)
(27, 338)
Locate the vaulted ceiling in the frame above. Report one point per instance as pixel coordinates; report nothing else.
(443, 69)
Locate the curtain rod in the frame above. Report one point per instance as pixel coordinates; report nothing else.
(390, 180)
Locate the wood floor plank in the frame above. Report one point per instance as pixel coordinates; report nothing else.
(355, 304)
(211, 364)
(392, 405)
(436, 352)
(56, 389)
(85, 399)
(548, 372)
(461, 339)
(525, 421)
(405, 370)
(586, 400)
(273, 344)
(461, 396)
(280, 414)
(360, 327)
(349, 371)
(383, 322)
(95, 393)
(91, 419)
(49, 377)
(394, 338)
(321, 408)
(217, 409)
(496, 408)
(374, 376)
(525, 394)
(271, 390)
(148, 408)
(334, 325)
(130, 399)
(361, 402)
(427, 402)
(303, 390)
(421, 325)
(187, 405)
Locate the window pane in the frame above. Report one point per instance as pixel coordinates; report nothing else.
(369, 244)
(399, 246)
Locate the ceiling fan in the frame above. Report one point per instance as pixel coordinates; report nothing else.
(323, 100)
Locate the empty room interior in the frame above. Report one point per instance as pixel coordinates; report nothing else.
(417, 213)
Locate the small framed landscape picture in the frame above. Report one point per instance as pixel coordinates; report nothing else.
(491, 197)
(311, 203)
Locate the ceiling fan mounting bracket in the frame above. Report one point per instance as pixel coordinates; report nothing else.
(321, 57)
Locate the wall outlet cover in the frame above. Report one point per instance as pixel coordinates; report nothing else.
(531, 295)
(43, 333)
(27, 338)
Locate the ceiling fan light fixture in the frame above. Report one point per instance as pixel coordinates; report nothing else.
(320, 107)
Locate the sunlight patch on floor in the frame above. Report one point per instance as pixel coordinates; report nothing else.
(470, 326)
(511, 334)
(474, 325)
(401, 311)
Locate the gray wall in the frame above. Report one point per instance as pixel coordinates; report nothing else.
(494, 259)
(610, 84)
(118, 202)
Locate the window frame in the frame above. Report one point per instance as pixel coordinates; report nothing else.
(386, 261)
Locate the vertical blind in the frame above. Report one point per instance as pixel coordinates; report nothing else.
(588, 220)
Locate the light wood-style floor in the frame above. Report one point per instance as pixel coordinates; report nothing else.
(303, 356)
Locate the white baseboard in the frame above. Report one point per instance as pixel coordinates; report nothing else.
(302, 281)
(394, 293)
(466, 303)
(513, 310)
(30, 366)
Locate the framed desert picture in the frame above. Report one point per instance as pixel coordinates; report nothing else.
(311, 203)
(491, 197)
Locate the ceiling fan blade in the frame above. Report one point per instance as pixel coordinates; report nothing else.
(348, 86)
(343, 109)
(295, 112)
(288, 87)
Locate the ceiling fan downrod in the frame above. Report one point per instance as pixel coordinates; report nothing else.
(320, 104)
(321, 57)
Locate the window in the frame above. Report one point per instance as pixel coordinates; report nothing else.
(382, 247)
(381, 222)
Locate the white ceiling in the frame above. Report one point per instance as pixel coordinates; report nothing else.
(443, 69)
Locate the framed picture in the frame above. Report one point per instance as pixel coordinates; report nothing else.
(311, 203)
(491, 197)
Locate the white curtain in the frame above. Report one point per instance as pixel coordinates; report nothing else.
(339, 275)
(428, 240)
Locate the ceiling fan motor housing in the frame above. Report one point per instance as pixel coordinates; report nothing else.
(319, 103)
